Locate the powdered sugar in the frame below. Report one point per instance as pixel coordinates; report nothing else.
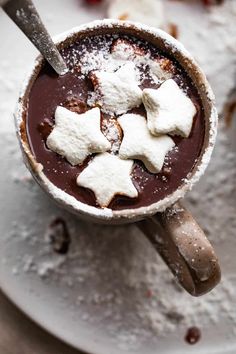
(133, 298)
(122, 52)
(104, 256)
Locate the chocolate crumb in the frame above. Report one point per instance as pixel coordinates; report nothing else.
(229, 109)
(173, 30)
(124, 17)
(92, 76)
(193, 335)
(77, 68)
(174, 316)
(59, 236)
(45, 128)
(167, 65)
(166, 171)
(75, 105)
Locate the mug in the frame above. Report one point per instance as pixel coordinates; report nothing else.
(168, 225)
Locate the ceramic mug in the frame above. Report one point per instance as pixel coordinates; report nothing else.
(169, 226)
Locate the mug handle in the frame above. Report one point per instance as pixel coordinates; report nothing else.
(183, 246)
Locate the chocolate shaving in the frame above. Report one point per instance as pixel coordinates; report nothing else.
(193, 335)
(124, 17)
(173, 30)
(174, 316)
(59, 236)
(166, 171)
(75, 105)
(229, 109)
(92, 76)
(167, 65)
(45, 128)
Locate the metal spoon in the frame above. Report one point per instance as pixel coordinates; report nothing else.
(26, 17)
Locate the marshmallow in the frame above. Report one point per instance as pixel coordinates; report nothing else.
(76, 136)
(138, 143)
(107, 175)
(119, 91)
(169, 110)
(124, 50)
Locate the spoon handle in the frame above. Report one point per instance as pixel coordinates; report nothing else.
(26, 17)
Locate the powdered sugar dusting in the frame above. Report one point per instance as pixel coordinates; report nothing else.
(214, 313)
(133, 297)
(104, 59)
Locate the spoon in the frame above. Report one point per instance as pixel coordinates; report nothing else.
(26, 17)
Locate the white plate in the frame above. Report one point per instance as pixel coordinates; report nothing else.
(111, 293)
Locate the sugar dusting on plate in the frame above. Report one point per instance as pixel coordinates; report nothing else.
(133, 292)
(111, 277)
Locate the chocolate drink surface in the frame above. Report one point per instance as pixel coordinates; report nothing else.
(75, 91)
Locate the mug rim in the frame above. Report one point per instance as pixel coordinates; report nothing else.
(125, 215)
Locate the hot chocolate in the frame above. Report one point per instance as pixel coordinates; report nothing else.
(121, 76)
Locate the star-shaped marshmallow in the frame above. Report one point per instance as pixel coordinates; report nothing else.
(117, 92)
(157, 72)
(138, 143)
(75, 136)
(169, 110)
(107, 175)
(124, 50)
(159, 69)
